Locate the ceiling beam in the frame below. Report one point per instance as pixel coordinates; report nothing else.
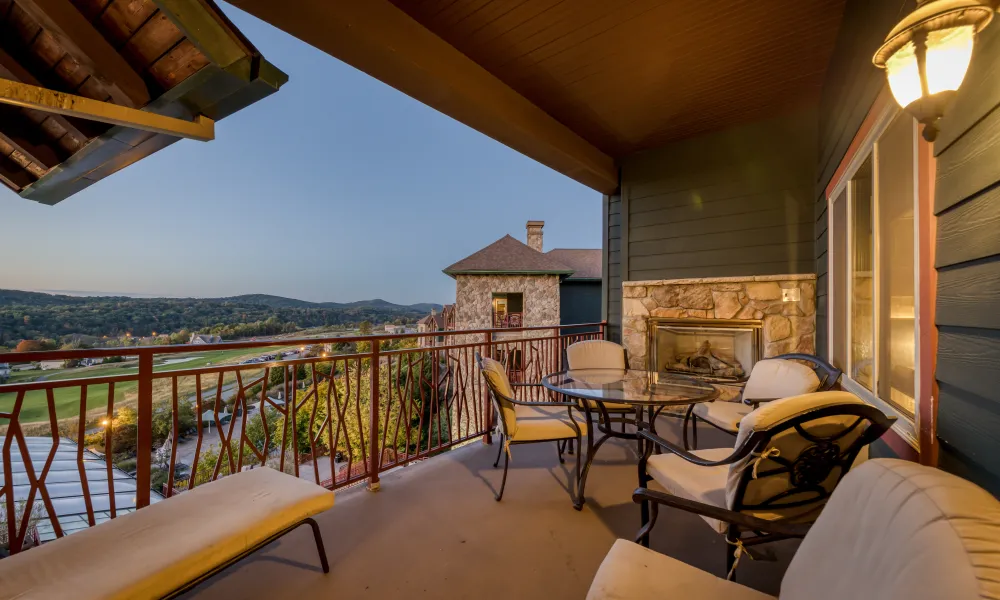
(30, 96)
(85, 44)
(383, 41)
(26, 138)
(12, 70)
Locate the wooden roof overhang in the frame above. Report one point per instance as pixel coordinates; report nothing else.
(179, 59)
(579, 84)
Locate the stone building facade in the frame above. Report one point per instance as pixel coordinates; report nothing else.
(474, 298)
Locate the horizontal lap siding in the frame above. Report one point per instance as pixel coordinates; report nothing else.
(850, 89)
(967, 202)
(736, 202)
(613, 267)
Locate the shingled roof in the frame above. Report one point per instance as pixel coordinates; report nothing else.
(508, 256)
(586, 263)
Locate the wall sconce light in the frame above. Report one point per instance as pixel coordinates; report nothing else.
(927, 54)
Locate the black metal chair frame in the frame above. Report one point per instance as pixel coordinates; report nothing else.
(495, 396)
(232, 561)
(828, 375)
(807, 472)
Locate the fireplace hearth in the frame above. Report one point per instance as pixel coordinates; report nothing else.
(743, 319)
(714, 349)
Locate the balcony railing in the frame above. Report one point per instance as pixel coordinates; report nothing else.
(78, 451)
(510, 320)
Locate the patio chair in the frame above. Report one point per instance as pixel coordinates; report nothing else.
(601, 354)
(790, 454)
(522, 422)
(892, 530)
(770, 379)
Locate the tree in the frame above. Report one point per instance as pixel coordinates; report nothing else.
(365, 328)
(31, 346)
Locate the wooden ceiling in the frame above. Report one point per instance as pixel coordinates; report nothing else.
(628, 75)
(135, 53)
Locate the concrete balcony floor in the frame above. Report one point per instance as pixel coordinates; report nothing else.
(434, 531)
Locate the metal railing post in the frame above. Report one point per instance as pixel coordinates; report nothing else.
(487, 405)
(374, 454)
(144, 416)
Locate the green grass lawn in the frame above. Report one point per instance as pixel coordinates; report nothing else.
(67, 400)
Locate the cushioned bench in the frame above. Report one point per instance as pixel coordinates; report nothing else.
(171, 546)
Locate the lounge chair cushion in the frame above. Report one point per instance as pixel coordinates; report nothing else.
(725, 415)
(151, 552)
(694, 482)
(595, 354)
(779, 378)
(895, 530)
(633, 572)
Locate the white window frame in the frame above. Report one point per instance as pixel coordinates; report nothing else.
(906, 426)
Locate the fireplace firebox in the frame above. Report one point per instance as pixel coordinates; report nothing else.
(720, 350)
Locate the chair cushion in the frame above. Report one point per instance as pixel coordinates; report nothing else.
(789, 444)
(694, 482)
(151, 552)
(551, 428)
(496, 374)
(726, 415)
(595, 354)
(630, 571)
(898, 530)
(779, 378)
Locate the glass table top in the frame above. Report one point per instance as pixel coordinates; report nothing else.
(630, 387)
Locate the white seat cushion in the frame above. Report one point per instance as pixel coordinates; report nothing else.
(151, 552)
(630, 571)
(779, 378)
(726, 415)
(898, 530)
(694, 482)
(595, 354)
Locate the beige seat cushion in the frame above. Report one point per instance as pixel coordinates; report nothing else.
(694, 482)
(779, 378)
(555, 426)
(726, 415)
(897, 530)
(595, 354)
(630, 571)
(151, 552)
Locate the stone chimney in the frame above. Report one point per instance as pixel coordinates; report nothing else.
(535, 234)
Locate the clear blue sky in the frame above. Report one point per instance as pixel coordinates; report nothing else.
(337, 188)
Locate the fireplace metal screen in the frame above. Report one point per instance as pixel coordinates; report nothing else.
(715, 349)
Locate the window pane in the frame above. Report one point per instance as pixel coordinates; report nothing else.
(862, 285)
(896, 251)
(839, 279)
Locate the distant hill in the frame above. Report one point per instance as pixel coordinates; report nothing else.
(35, 315)
(282, 302)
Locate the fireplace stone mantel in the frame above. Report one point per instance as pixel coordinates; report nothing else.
(789, 324)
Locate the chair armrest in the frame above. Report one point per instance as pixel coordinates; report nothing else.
(722, 514)
(649, 436)
(525, 385)
(755, 401)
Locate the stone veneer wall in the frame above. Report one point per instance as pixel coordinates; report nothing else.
(788, 326)
(474, 298)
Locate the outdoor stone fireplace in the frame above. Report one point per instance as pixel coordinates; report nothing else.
(780, 310)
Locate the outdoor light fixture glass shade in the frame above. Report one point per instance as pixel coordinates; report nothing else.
(928, 53)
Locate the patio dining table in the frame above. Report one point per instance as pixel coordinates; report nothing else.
(647, 392)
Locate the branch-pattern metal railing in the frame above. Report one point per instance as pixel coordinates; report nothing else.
(336, 419)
